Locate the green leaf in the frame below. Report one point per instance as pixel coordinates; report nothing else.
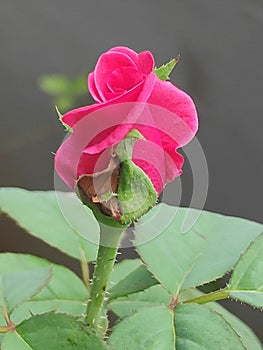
(37, 307)
(64, 283)
(12, 341)
(55, 84)
(64, 103)
(156, 295)
(247, 336)
(1, 336)
(153, 296)
(39, 213)
(171, 255)
(197, 327)
(16, 287)
(123, 269)
(148, 329)
(246, 282)
(54, 331)
(64, 90)
(79, 85)
(165, 70)
(137, 279)
(65, 292)
(204, 253)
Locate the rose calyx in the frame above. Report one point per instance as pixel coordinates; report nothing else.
(122, 193)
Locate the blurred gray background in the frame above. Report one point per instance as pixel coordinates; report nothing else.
(221, 66)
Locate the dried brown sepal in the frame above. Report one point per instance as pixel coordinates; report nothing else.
(100, 189)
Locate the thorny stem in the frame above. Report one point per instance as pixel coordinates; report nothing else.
(109, 240)
(210, 297)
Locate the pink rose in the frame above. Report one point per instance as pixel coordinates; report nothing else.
(123, 77)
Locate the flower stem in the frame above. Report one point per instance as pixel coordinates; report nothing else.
(210, 297)
(109, 240)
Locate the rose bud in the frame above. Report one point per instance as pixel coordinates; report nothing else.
(123, 149)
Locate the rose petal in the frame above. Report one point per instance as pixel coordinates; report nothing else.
(158, 126)
(168, 96)
(124, 79)
(152, 172)
(151, 159)
(126, 50)
(170, 163)
(177, 116)
(93, 163)
(145, 62)
(74, 116)
(127, 124)
(106, 64)
(92, 88)
(102, 121)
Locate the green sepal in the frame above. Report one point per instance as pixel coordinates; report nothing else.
(125, 148)
(165, 70)
(60, 116)
(133, 192)
(134, 133)
(136, 193)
